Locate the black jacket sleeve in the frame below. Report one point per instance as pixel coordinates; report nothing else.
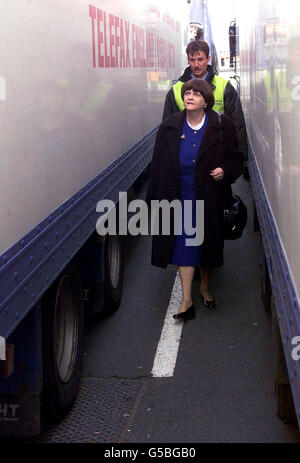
(233, 109)
(170, 107)
(155, 167)
(233, 164)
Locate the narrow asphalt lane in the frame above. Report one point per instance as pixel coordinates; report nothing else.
(222, 389)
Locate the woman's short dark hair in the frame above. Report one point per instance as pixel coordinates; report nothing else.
(197, 45)
(201, 86)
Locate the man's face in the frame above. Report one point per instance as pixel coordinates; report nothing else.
(198, 63)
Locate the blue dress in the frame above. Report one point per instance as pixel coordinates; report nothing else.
(190, 143)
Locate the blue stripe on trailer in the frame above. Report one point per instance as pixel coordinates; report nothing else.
(29, 267)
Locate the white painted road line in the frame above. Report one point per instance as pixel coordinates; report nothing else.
(167, 349)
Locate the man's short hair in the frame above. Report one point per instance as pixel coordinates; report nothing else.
(197, 45)
(201, 86)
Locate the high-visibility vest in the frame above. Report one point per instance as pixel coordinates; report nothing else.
(281, 97)
(219, 84)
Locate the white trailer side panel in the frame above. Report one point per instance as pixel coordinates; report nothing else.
(270, 93)
(80, 82)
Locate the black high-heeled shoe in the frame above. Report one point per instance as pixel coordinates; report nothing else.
(189, 314)
(208, 304)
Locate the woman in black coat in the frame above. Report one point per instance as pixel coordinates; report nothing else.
(192, 161)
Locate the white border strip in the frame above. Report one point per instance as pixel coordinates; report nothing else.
(2, 348)
(166, 352)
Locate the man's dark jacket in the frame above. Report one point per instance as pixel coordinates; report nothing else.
(164, 182)
(232, 107)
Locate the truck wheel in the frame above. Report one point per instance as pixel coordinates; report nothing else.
(62, 317)
(285, 404)
(113, 265)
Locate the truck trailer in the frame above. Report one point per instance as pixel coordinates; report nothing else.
(269, 67)
(82, 87)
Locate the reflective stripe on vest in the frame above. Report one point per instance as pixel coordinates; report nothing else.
(219, 84)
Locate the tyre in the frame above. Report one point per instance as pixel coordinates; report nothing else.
(285, 404)
(113, 267)
(62, 336)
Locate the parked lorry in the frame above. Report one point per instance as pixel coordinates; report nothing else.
(82, 87)
(269, 51)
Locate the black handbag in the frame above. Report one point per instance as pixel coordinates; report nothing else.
(234, 218)
(235, 211)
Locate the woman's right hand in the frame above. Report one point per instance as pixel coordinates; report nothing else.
(217, 174)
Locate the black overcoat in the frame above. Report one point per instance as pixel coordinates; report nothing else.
(164, 183)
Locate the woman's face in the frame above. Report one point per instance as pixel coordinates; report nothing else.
(193, 100)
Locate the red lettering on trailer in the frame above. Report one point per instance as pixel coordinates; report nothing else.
(117, 38)
(127, 44)
(134, 52)
(142, 48)
(150, 49)
(115, 47)
(162, 56)
(122, 50)
(92, 13)
(107, 61)
(112, 40)
(100, 39)
(139, 35)
(137, 42)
